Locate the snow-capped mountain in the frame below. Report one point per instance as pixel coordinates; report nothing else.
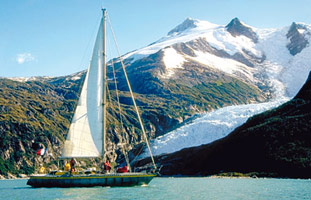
(236, 49)
(277, 61)
(33, 78)
(72, 77)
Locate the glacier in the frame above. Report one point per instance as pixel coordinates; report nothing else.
(209, 127)
(284, 74)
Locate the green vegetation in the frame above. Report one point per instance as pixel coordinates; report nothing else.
(31, 114)
(237, 174)
(37, 113)
(245, 175)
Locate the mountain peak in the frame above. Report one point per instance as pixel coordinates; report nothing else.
(296, 34)
(237, 28)
(187, 24)
(234, 22)
(296, 27)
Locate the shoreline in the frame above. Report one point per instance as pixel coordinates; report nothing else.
(13, 177)
(253, 175)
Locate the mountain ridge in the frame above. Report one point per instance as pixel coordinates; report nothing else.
(247, 51)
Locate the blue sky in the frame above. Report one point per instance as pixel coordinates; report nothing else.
(55, 37)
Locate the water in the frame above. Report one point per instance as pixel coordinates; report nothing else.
(170, 188)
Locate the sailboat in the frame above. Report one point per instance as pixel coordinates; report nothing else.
(87, 133)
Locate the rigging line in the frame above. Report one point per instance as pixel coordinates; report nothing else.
(111, 65)
(121, 121)
(117, 96)
(138, 154)
(117, 92)
(109, 96)
(122, 130)
(132, 95)
(111, 99)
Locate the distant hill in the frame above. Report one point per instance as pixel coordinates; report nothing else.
(33, 115)
(274, 143)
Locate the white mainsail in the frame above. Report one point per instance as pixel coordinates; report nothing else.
(85, 133)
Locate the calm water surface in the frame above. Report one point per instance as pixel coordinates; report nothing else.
(170, 188)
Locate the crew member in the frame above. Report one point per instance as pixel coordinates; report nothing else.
(42, 169)
(107, 166)
(67, 167)
(72, 165)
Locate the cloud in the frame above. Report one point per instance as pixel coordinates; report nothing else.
(24, 57)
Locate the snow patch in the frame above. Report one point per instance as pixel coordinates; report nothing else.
(223, 64)
(172, 60)
(301, 31)
(33, 78)
(221, 39)
(74, 78)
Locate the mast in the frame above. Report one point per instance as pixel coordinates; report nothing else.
(104, 98)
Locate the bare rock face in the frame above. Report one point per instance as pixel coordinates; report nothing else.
(236, 28)
(22, 176)
(296, 34)
(10, 176)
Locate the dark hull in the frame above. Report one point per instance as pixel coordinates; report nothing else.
(126, 179)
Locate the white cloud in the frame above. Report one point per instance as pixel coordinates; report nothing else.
(24, 57)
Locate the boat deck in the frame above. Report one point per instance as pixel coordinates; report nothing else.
(89, 180)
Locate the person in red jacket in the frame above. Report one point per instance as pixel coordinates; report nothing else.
(107, 166)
